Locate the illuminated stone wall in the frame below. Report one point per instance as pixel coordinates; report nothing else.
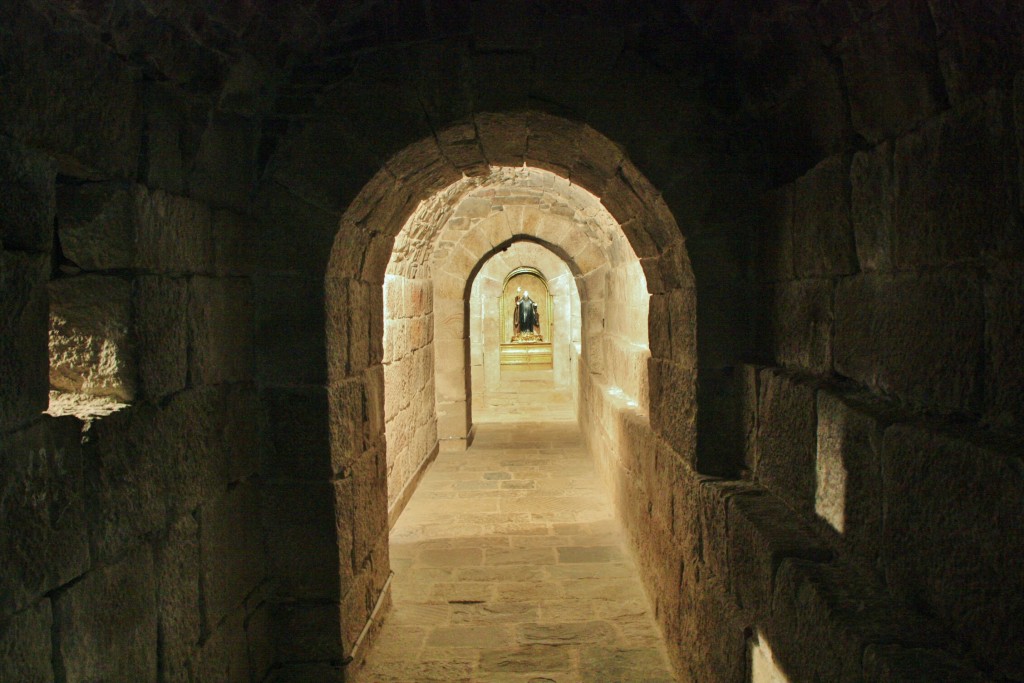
(485, 325)
(409, 413)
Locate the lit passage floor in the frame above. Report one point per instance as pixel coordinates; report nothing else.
(509, 566)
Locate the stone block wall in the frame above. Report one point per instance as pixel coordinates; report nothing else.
(886, 266)
(138, 530)
(923, 508)
(409, 412)
(884, 270)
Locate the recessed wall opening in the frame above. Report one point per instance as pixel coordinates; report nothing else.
(92, 360)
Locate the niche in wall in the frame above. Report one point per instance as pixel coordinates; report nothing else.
(525, 301)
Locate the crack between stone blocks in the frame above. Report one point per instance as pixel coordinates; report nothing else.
(56, 661)
(479, 141)
(204, 627)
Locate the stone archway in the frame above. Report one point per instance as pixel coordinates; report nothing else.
(509, 382)
(354, 309)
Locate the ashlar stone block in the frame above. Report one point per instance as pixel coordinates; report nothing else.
(554, 146)
(453, 421)
(918, 336)
(225, 655)
(26, 644)
(24, 321)
(309, 545)
(369, 504)
(178, 612)
(824, 615)
(125, 486)
(822, 234)
(59, 87)
(674, 405)
(892, 78)
(174, 124)
(473, 207)
(787, 438)
(44, 537)
(188, 434)
(298, 441)
(114, 606)
(161, 334)
(149, 462)
(290, 325)
(775, 239)
(281, 217)
(955, 187)
(598, 161)
(324, 165)
(801, 324)
(308, 631)
(27, 186)
(848, 493)
(233, 554)
(873, 201)
(952, 538)
(705, 611)
(259, 636)
(220, 317)
(174, 234)
(222, 173)
(96, 225)
(660, 327)
(762, 532)
(234, 244)
(459, 145)
(503, 137)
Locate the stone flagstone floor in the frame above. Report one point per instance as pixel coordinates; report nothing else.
(510, 566)
(523, 396)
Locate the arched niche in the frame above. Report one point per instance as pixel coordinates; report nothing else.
(528, 282)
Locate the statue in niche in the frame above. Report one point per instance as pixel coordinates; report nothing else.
(525, 319)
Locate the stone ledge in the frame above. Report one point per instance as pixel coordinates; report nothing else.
(930, 504)
(762, 534)
(824, 616)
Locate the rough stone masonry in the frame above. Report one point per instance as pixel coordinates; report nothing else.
(814, 442)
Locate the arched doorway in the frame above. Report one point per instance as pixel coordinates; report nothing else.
(515, 378)
(421, 188)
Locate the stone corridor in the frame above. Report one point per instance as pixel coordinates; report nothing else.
(783, 249)
(510, 566)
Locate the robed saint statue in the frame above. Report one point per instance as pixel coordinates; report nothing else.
(525, 319)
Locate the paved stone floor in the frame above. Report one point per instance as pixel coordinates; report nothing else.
(523, 395)
(510, 566)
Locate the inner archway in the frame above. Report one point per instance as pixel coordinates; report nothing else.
(519, 378)
(438, 256)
